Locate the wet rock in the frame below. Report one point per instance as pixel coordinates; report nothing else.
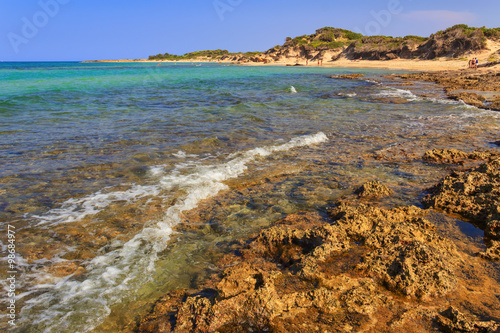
(454, 156)
(408, 256)
(373, 189)
(493, 251)
(348, 76)
(474, 194)
(282, 279)
(463, 85)
(391, 100)
(453, 321)
(364, 299)
(413, 269)
(469, 98)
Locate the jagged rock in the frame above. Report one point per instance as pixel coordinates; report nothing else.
(455, 156)
(474, 194)
(289, 277)
(453, 321)
(469, 98)
(413, 269)
(408, 256)
(373, 189)
(464, 80)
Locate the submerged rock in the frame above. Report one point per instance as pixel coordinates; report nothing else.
(348, 76)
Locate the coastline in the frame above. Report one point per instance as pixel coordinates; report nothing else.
(362, 267)
(401, 64)
(348, 271)
(387, 154)
(477, 87)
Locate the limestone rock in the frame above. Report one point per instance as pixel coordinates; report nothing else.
(474, 194)
(453, 321)
(373, 189)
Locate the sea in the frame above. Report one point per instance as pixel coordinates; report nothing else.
(121, 182)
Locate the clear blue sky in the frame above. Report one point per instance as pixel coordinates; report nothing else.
(111, 29)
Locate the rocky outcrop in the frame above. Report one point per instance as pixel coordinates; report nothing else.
(308, 274)
(464, 85)
(455, 156)
(474, 194)
(451, 320)
(469, 98)
(359, 268)
(373, 189)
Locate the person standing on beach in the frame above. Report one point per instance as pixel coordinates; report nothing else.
(477, 62)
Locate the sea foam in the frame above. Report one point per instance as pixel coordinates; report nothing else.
(76, 209)
(71, 305)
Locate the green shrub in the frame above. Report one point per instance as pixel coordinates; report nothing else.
(353, 35)
(417, 39)
(327, 37)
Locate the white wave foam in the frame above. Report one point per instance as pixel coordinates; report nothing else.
(401, 93)
(183, 154)
(411, 97)
(76, 209)
(112, 275)
(347, 94)
(372, 81)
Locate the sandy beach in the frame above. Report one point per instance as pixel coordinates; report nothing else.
(437, 64)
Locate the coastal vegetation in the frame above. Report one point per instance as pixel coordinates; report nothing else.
(211, 54)
(332, 44)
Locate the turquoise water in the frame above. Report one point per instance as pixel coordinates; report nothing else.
(125, 181)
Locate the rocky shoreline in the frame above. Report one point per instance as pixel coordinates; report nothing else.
(359, 268)
(363, 267)
(480, 88)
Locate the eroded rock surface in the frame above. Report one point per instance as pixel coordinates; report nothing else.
(464, 85)
(474, 194)
(310, 274)
(456, 156)
(373, 189)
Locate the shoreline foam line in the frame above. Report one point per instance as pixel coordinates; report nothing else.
(114, 275)
(73, 210)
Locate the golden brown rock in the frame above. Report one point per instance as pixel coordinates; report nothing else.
(373, 189)
(348, 76)
(474, 194)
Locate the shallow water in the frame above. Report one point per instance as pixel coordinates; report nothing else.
(127, 181)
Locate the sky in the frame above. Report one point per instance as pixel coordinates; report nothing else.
(75, 30)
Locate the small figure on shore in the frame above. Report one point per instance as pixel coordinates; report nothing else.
(477, 62)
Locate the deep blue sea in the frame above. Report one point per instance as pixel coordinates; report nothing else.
(125, 181)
